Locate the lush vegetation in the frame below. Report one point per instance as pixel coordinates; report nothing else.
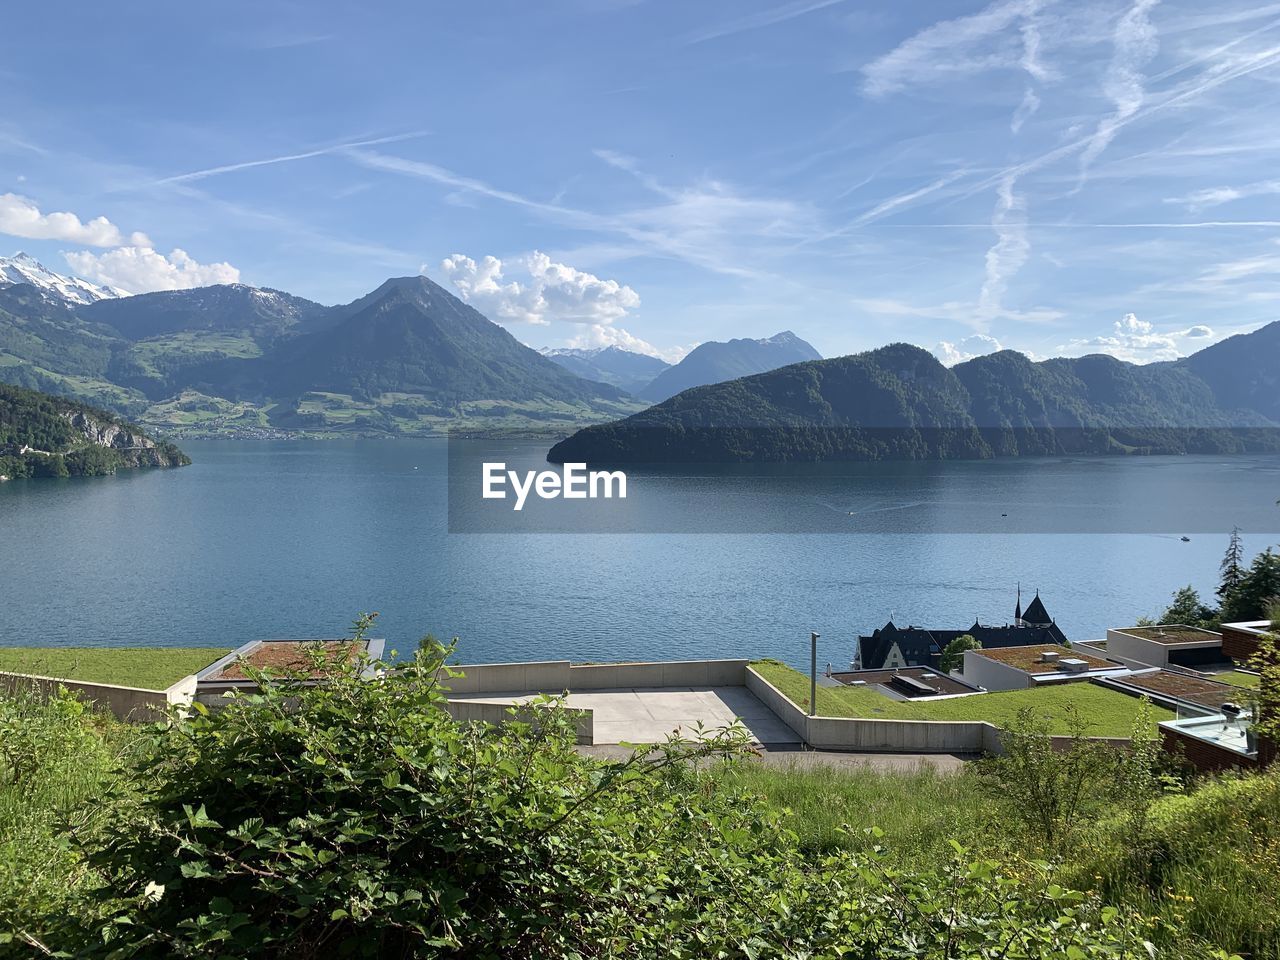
(1109, 713)
(150, 668)
(899, 402)
(1246, 591)
(59, 446)
(357, 819)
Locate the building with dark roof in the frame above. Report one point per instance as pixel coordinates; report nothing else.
(892, 646)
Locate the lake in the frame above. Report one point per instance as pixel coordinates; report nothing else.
(293, 539)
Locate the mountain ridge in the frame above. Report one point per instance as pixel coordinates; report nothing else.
(899, 402)
(718, 361)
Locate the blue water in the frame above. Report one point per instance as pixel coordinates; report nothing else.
(293, 539)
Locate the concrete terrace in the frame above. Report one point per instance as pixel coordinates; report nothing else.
(651, 714)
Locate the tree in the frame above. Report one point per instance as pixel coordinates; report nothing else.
(953, 655)
(1256, 591)
(1187, 609)
(1232, 567)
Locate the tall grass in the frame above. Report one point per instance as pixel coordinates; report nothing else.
(1207, 860)
(831, 807)
(57, 761)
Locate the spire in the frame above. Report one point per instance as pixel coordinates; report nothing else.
(1036, 615)
(1017, 609)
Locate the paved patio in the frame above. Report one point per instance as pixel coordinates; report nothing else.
(643, 715)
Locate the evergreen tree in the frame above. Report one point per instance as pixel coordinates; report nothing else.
(1232, 568)
(1259, 588)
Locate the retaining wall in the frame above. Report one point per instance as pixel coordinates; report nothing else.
(557, 676)
(126, 703)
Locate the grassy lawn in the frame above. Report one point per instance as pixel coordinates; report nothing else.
(1238, 679)
(151, 668)
(1111, 714)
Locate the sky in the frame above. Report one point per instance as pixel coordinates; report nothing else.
(1059, 178)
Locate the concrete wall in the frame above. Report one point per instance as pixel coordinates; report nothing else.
(992, 674)
(677, 673)
(550, 676)
(865, 734)
(1126, 646)
(126, 703)
(778, 702)
(500, 713)
(557, 676)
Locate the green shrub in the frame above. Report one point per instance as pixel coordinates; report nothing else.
(356, 818)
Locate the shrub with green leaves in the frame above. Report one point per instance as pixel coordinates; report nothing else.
(356, 818)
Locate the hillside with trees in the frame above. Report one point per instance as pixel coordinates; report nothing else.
(47, 436)
(900, 403)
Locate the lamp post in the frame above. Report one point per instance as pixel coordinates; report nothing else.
(813, 674)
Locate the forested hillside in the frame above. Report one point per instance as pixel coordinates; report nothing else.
(899, 402)
(46, 436)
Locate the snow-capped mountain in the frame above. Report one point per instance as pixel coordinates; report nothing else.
(22, 268)
(611, 365)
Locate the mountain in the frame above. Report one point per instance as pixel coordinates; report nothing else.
(716, 362)
(415, 337)
(234, 308)
(408, 358)
(612, 365)
(45, 436)
(22, 268)
(899, 402)
(1243, 371)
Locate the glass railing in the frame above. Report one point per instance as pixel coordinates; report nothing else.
(1231, 733)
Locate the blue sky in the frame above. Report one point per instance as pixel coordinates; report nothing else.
(1057, 177)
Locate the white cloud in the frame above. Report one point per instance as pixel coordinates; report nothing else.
(1198, 332)
(140, 269)
(549, 291)
(986, 40)
(976, 345)
(1215, 196)
(1029, 105)
(1134, 44)
(20, 217)
(708, 224)
(1133, 340)
(1010, 251)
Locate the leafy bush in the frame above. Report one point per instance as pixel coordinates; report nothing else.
(356, 818)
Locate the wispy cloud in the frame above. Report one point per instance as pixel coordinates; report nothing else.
(1029, 105)
(288, 158)
(1134, 44)
(709, 224)
(1216, 196)
(755, 21)
(1010, 251)
(983, 41)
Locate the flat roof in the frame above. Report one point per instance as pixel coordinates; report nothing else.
(1172, 634)
(279, 656)
(1255, 627)
(1028, 659)
(1207, 693)
(940, 682)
